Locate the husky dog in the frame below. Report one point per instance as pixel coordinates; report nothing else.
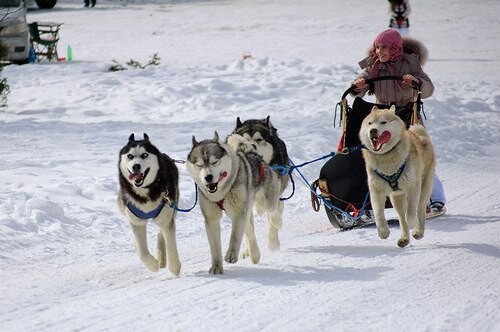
(400, 165)
(265, 139)
(149, 184)
(231, 180)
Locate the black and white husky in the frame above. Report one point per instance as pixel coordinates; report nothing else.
(264, 136)
(149, 186)
(232, 179)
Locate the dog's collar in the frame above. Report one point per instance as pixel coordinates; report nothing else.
(392, 179)
(151, 214)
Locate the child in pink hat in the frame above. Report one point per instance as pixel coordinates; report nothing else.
(387, 57)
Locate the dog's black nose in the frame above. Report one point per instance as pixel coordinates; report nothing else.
(136, 168)
(209, 178)
(373, 132)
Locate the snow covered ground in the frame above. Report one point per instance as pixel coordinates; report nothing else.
(67, 260)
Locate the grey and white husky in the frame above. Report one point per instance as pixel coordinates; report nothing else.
(264, 136)
(231, 179)
(149, 184)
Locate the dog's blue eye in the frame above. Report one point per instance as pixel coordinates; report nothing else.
(144, 155)
(129, 156)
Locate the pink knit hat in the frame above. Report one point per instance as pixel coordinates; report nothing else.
(392, 39)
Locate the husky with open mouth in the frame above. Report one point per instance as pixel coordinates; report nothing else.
(149, 187)
(400, 164)
(231, 179)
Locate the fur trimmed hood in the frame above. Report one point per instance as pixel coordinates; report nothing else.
(410, 46)
(413, 46)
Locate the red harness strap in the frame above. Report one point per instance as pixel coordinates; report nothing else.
(261, 173)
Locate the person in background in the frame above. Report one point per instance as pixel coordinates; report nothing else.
(90, 2)
(393, 55)
(399, 11)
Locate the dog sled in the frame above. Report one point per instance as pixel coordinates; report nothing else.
(342, 181)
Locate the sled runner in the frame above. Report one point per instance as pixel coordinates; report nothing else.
(342, 180)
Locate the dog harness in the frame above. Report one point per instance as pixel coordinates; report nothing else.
(261, 177)
(151, 214)
(392, 179)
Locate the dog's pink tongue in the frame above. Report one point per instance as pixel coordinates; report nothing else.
(381, 140)
(222, 175)
(134, 176)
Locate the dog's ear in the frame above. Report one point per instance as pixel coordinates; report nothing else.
(131, 138)
(393, 109)
(375, 109)
(269, 125)
(238, 122)
(216, 137)
(195, 143)
(146, 137)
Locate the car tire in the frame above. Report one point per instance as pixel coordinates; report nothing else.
(46, 4)
(21, 62)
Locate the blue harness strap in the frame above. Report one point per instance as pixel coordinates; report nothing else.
(146, 215)
(392, 179)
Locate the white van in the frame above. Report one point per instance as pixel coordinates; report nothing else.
(14, 30)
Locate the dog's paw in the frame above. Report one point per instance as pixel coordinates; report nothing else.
(245, 254)
(274, 246)
(273, 243)
(418, 233)
(151, 263)
(251, 252)
(216, 269)
(255, 256)
(403, 242)
(383, 232)
(175, 268)
(231, 257)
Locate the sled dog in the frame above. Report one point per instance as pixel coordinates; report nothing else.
(231, 180)
(263, 135)
(149, 184)
(400, 165)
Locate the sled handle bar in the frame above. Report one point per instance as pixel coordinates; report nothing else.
(376, 79)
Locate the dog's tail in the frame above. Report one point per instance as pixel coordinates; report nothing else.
(419, 130)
